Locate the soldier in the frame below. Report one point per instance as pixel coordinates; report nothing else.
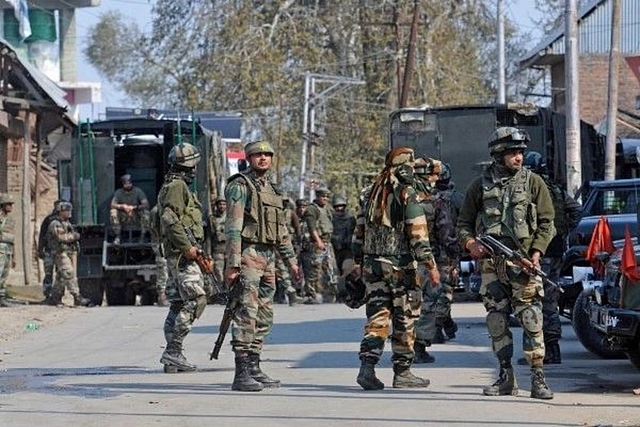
(343, 225)
(182, 236)
(162, 273)
(44, 250)
(567, 216)
(219, 239)
(284, 284)
(513, 205)
(256, 230)
(319, 220)
(7, 236)
(436, 304)
(129, 206)
(394, 253)
(64, 246)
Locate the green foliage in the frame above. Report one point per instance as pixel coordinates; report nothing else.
(252, 56)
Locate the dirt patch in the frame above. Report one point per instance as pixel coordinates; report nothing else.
(23, 319)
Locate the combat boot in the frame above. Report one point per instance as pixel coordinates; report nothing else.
(450, 327)
(403, 378)
(421, 355)
(4, 302)
(367, 376)
(174, 361)
(243, 381)
(439, 336)
(552, 354)
(294, 299)
(257, 374)
(505, 385)
(162, 299)
(80, 301)
(539, 388)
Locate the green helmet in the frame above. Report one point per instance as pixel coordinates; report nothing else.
(508, 138)
(64, 206)
(6, 199)
(185, 155)
(339, 201)
(258, 147)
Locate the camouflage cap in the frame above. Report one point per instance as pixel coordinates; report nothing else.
(323, 191)
(258, 147)
(399, 156)
(6, 199)
(125, 179)
(221, 200)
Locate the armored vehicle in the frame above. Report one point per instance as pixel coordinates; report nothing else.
(104, 151)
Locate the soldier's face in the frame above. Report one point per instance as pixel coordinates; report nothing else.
(222, 206)
(339, 208)
(513, 159)
(66, 214)
(260, 162)
(301, 210)
(322, 200)
(8, 208)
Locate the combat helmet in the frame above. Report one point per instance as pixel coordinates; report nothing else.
(427, 166)
(507, 138)
(258, 147)
(6, 199)
(185, 155)
(445, 174)
(339, 201)
(533, 161)
(64, 206)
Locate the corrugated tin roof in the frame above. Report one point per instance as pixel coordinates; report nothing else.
(594, 33)
(48, 87)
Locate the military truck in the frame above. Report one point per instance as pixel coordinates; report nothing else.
(101, 153)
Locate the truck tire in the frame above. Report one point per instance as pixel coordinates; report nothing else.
(93, 290)
(633, 353)
(590, 338)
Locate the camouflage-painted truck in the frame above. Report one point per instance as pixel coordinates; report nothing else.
(101, 153)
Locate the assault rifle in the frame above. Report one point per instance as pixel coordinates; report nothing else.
(205, 262)
(233, 302)
(495, 247)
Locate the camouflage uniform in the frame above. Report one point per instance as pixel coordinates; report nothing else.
(391, 243)
(162, 272)
(515, 208)
(284, 282)
(436, 304)
(256, 230)
(64, 247)
(343, 226)
(44, 251)
(182, 229)
(131, 197)
(218, 243)
(7, 237)
(319, 219)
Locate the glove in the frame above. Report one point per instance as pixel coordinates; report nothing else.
(477, 250)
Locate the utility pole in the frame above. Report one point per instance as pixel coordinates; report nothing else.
(312, 100)
(612, 103)
(502, 98)
(574, 163)
(408, 69)
(396, 29)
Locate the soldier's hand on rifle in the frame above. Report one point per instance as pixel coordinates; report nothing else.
(192, 253)
(320, 245)
(230, 274)
(476, 249)
(531, 265)
(434, 276)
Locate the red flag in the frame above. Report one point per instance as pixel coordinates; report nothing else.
(600, 242)
(629, 264)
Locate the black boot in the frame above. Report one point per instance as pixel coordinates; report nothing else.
(552, 354)
(439, 337)
(367, 376)
(174, 361)
(293, 298)
(505, 385)
(421, 354)
(539, 388)
(243, 381)
(450, 327)
(80, 301)
(257, 374)
(403, 378)
(4, 302)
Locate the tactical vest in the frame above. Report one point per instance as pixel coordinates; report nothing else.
(264, 216)
(507, 209)
(324, 223)
(191, 217)
(429, 202)
(385, 241)
(7, 234)
(343, 225)
(218, 222)
(56, 245)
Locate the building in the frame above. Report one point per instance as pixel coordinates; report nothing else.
(594, 41)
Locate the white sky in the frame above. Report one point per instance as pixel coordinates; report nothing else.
(517, 10)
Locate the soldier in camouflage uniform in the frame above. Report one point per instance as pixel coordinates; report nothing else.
(162, 272)
(217, 221)
(343, 226)
(44, 250)
(436, 304)
(7, 237)
(64, 246)
(256, 229)
(284, 282)
(182, 231)
(567, 216)
(129, 206)
(513, 205)
(320, 280)
(391, 244)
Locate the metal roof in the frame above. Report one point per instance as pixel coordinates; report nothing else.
(594, 33)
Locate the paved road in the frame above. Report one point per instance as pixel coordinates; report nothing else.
(101, 368)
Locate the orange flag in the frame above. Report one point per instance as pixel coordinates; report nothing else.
(629, 265)
(600, 242)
